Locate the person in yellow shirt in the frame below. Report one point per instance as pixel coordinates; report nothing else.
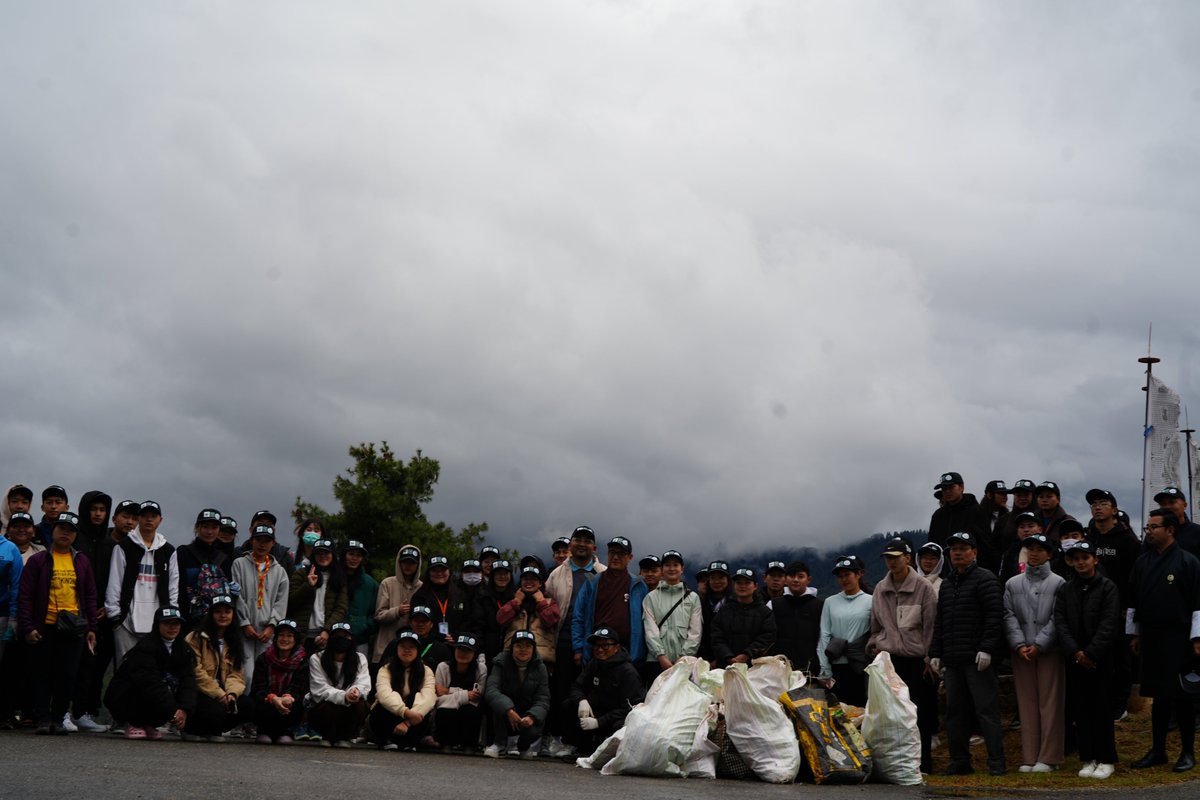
(56, 617)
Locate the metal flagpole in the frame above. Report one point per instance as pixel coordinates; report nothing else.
(1149, 361)
(1187, 432)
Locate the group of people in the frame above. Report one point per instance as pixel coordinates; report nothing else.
(522, 658)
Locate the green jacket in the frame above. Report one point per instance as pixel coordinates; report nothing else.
(677, 635)
(361, 615)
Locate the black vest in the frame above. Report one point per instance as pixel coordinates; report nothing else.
(134, 552)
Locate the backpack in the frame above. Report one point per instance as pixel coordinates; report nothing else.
(210, 582)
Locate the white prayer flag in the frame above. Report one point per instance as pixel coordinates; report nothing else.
(1162, 441)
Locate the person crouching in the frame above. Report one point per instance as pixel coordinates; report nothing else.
(278, 685)
(518, 698)
(156, 682)
(338, 685)
(404, 696)
(602, 695)
(217, 651)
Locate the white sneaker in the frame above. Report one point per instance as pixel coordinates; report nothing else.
(87, 723)
(1025, 768)
(1103, 771)
(1089, 770)
(67, 725)
(1042, 767)
(513, 750)
(492, 751)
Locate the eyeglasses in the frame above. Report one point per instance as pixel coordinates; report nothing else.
(606, 645)
(1149, 528)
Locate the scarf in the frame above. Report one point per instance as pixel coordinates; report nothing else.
(263, 569)
(279, 670)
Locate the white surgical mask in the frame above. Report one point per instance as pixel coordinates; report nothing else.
(472, 578)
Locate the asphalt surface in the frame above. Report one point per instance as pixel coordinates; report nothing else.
(101, 766)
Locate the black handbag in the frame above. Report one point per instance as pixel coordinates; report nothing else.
(71, 623)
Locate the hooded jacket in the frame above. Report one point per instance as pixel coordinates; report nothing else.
(131, 598)
(1029, 608)
(94, 541)
(34, 595)
(902, 618)
(151, 674)
(394, 590)
(506, 690)
(276, 588)
(798, 628)
(934, 577)
(1087, 617)
(6, 512)
(965, 515)
(611, 687)
(1116, 551)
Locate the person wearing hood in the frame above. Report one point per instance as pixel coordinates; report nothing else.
(17, 498)
(317, 598)
(201, 562)
(518, 698)
(143, 577)
(459, 683)
(405, 695)
(362, 591)
(671, 617)
(393, 602)
(931, 561)
(531, 610)
(156, 682)
(443, 597)
(56, 615)
(798, 619)
(606, 689)
(498, 591)
(1039, 673)
(218, 668)
(95, 542)
(54, 502)
(263, 600)
(279, 685)
(903, 613)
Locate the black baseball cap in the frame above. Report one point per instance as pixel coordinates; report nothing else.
(848, 562)
(407, 636)
(775, 566)
(620, 543)
(21, 516)
(650, 562)
(340, 628)
(151, 507)
(1170, 493)
(467, 642)
(264, 514)
(949, 479)
(229, 523)
(323, 544)
(603, 633)
(675, 554)
(53, 491)
(560, 542)
(531, 570)
(168, 614)
(524, 636)
(263, 532)
(206, 515)
(1070, 526)
(746, 574)
(67, 520)
(1024, 485)
(719, 566)
(410, 554)
(1096, 495)
(421, 611)
(1040, 540)
(489, 550)
(1049, 486)
(1080, 547)
(287, 623)
(962, 537)
(1027, 516)
(127, 507)
(355, 544)
(583, 532)
(472, 564)
(439, 561)
(502, 565)
(221, 600)
(21, 490)
(898, 546)
(999, 487)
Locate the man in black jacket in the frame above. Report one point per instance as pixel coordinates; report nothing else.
(744, 628)
(959, 512)
(968, 634)
(798, 620)
(607, 687)
(993, 512)
(1188, 535)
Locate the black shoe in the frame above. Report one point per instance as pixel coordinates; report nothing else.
(1151, 759)
(57, 730)
(1186, 761)
(995, 771)
(959, 769)
(42, 729)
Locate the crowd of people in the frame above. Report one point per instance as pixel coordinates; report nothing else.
(526, 658)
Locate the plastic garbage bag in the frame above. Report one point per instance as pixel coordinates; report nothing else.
(890, 725)
(702, 760)
(660, 734)
(603, 753)
(834, 750)
(760, 730)
(771, 676)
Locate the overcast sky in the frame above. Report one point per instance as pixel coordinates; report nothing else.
(703, 274)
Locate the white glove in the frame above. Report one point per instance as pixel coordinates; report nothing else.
(936, 665)
(585, 709)
(983, 661)
(589, 724)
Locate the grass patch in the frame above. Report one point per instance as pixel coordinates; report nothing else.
(1133, 740)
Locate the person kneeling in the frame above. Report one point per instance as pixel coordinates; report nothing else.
(217, 651)
(278, 685)
(338, 685)
(602, 695)
(156, 682)
(404, 696)
(518, 698)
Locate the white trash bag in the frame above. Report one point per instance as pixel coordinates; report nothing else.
(771, 676)
(890, 726)
(760, 729)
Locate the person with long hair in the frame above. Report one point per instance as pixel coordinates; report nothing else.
(393, 602)
(338, 685)
(308, 533)
(498, 591)
(444, 598)
(530, 609)
(279, 684)
(317, 598)
(156, 682)
(362, 591)
(459, 684)
(220, 682)
(405, 695)
(845, 629)
(518, 698)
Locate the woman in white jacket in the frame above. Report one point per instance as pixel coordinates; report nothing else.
(404, 696)
(338, 685)
(459, 684)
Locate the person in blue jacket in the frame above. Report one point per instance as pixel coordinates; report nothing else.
(612, 599)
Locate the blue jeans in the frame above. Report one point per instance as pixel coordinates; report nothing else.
(971, 695)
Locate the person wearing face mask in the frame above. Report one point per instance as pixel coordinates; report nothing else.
(156, 682)
(362, 591)
(470, 586)
(317, 598)
(308, 533)
(394, 599)
(531, 610)
(338, 685)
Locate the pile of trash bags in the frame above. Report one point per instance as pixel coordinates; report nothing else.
(766, 722)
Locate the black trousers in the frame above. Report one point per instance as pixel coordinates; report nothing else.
(55, 662)
(336, 722)
(1089, 697)
(270, 722)
(383, 728)
(501, 730)
(458, 726)
(144, 711)
(92, 668)
(212, 718)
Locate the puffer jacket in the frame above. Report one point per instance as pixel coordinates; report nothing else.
(611, 687)
(215, 676)
(394, 590)
(970, 617)
(539, 618)
(962, 516)
(798, 628)
(742, 629)
(1087, 616)
(150, 670)
(1029, 608)
(902, 619)
(505, 689)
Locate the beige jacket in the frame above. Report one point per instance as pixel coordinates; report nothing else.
(393, 701)
(392, 592)
(902, 618)
(559, 586)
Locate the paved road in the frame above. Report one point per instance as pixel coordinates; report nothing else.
(100, 766)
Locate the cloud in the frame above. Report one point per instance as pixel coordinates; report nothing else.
(739, 274)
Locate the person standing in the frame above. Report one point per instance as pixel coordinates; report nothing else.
(612, 599)
(1164, 621)
(143, 577)
(968, 634)
(361, 591)
(672, 619)
(903, 614)
(993, 511)
(264, 597)
(959, 511)
(1116, 547)
(798, 619)
(845, 630)
(1187, 536)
